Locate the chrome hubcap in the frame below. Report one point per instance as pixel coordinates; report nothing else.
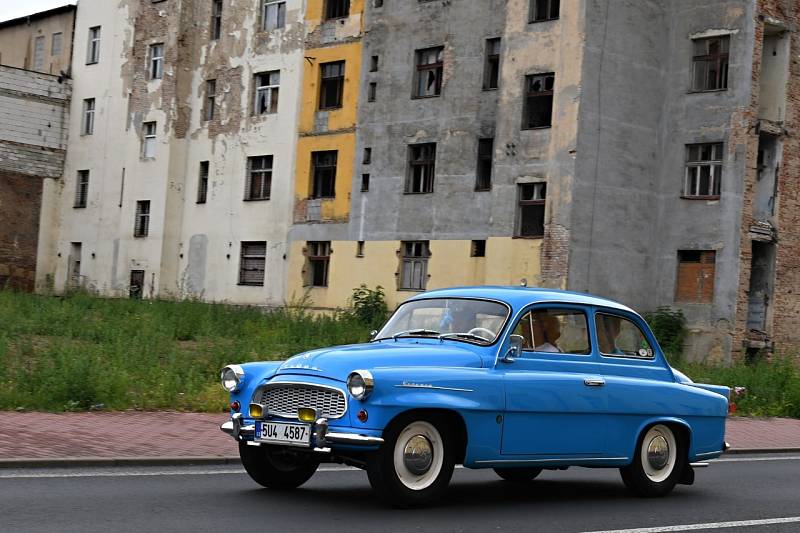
(658, 452)
(418, 455)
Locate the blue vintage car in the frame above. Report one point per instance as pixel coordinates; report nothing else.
(509, 378)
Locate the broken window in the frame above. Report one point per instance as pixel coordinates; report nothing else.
(530, 218)
(93, 50)
(696, 272)
(538, 101)
(421, 168)
(491, 72)
(323, 171)
(478, 249)
(483, 181)
(141, 223)
(414, 265)
(88, 116)
(703, 170)
(364, 182)
(136, 288)
(211, 100)
(542, 10)
(710, 63)
(335, 9)
(274, 15)
(148, 140)
(259, 178)
(38, 54)
(319, 256)
(202, 183)
(331, 85)
(267, 89)
(216, 19)
(430, 69)
(75, 265)
(156, 55)
(82, 189)
(252, 263)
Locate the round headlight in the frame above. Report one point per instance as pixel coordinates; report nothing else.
(231, 376)
(360, 384)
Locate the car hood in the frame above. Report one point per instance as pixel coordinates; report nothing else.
(337, 363)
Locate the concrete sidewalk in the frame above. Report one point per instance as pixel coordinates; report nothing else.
(134, 437)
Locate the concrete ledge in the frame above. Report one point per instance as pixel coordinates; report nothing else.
(761, 451)
(71, 462)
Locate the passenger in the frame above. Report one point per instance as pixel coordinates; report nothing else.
(547, 328)
(608, 328)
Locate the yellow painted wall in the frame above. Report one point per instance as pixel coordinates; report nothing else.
(336, 208)
(507, 261)
(314, 11)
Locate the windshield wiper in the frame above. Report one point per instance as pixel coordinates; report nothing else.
(465, 336)
(414, 332)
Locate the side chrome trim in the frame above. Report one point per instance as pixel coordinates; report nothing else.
(699, 464)
(426, 386)
(575, 460)
(271, 384)
(706, 454)
(352, 438)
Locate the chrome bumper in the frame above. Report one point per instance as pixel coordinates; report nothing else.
(235, 428)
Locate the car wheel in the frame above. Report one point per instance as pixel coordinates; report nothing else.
(277, 468)
(414, 464)
(657, 465)
(518, 475)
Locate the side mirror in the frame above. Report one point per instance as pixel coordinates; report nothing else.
(372, 334)
(516, 343)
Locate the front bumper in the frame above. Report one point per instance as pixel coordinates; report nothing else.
(321, 437)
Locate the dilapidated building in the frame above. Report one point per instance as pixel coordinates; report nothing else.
(259, 151)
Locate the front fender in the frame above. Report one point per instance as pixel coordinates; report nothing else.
(254, 373)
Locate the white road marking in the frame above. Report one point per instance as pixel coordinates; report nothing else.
(710, 525)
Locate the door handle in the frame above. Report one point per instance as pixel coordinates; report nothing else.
(594, 382)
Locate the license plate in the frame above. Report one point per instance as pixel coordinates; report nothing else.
(292, 434)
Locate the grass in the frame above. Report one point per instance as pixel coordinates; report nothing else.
(80, 352)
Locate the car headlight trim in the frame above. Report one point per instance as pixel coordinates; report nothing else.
(360, 384)
(232, 377)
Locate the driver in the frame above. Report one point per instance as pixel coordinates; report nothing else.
(546, 331)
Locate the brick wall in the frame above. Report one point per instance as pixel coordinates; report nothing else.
(20, 203)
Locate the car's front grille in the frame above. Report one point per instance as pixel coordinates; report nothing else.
(284, 399)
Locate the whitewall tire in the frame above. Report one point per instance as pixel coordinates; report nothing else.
(658, 463)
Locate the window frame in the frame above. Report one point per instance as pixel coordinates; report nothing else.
(87, 122)
(141, 221)
(264, 172)
(39, 48)
(155, 62)
(422, 260)
(209, 109)
(149, 139)
(483, 183)
(280, 15)
(491, 69)
(216, 20)
(316, 192)
(421, 68)
(336, 9)
(716, 174)
(81, 199)
(721, 60)
(614, 314)
(57, 37)
(414, 162)
(270, 89)
(325, 81)
(93, 48)
(544, 94)
(202, 182)
(559, 306)
(532, 11)
(316, 260)
(531, 203)
(702, 260)
(251, 256)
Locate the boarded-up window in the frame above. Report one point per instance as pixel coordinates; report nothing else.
(414, 265)
(82, 189)
(530, 219)
(141, 224)
(252, 263)
(696, 273)
(319, 257)
(710, 72)
(323, 171)
(331, 87)
(258, 185)
(430, 71)
(421, 168)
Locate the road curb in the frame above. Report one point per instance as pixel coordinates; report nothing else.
(72, 462)
(760, 451)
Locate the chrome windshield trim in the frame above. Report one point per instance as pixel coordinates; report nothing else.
(271, 384)
(426, 386)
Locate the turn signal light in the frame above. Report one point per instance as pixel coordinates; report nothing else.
(731, 407)
(304, 414)
(362, 416)
(256, 410)
(235, 406)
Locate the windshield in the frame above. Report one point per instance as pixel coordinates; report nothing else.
(476, 321)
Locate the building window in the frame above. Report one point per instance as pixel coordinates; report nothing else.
(696, 272)
(710, 72)
(360, 249)
(491, 72)
(211, 100)
(323, 171)
(414, 265)
(703, 170)
(331, 85)
(372, 91)
(156, 55)
(56, 45)
(88, 117)
(216, 19)
(421, 168)
(202, 183)
(542, 10)
(136, 288)
(82, 189)
(530, 219)
(367, 158)
(478, 249)
(373, 64)
(274, 17)
(319, 257)
(74, 265)
(93, 50)
(259, 178)
(430, 69)
(335, 9)
(538, 101)
(364, 182)
(267, 89)
(252, 263)
(38, 54)
(148, 140)
(483, 181)
(141, 224)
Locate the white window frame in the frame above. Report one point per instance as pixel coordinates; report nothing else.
(38, 53)
(278, 20)
(271, 89)
(89, 107)
(156, 61)
(693, 169)
(93, 50)
(149, 136)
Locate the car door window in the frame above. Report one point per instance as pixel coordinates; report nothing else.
(554, 330)
(618, 336)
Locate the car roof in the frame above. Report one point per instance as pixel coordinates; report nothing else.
(519, 297)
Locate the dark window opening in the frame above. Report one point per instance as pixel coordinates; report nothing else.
(372, 92)
(331, 85)
(216, 19)
(373, 64)
(364, 182)
(82, 189)
(136, 288)
(267, 90)
(491, 74)
(421, 168)
(360, 249)
(710, 64)
(538, 101)
(531, 209)
(367, 159)
(323, 174)
(258, 185)
(430, 70)
(252, 263)
(414, 265)
(319, 257)
(141, 225)
(211, 99)
(703, 170)
(542, 10)
(483, 180)
(478, 249)
(335, 9)
(202, 183)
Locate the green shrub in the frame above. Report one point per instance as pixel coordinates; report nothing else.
(369, 306)
(669, 327)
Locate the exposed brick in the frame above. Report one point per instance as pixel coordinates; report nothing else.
(20, 204)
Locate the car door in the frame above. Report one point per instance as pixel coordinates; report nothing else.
(555, 399)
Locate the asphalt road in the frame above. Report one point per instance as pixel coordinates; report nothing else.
(737, 488)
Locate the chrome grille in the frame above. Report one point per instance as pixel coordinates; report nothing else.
(285, 399)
